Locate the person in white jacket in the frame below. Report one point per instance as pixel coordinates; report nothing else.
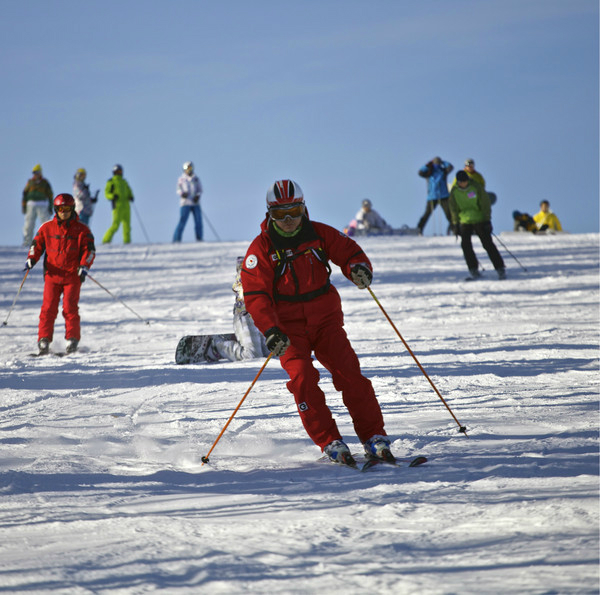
(369, 221)
(249, 341)
(189, 190)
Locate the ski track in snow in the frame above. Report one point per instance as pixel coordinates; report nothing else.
(102, 489)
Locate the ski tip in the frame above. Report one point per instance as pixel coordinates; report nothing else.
(349, 461)
(417, 461)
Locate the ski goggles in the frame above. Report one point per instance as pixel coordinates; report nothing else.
(292, 211)
(63, 209)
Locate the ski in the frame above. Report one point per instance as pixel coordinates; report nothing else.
(56, 353)
(357, 464)
(414, 462)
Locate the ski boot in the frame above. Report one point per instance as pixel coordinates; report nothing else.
(72, 345)
(338, 452)
(43, 346)
(378, 447)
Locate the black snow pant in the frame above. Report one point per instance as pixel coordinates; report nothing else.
(431, 204)
(484, 231)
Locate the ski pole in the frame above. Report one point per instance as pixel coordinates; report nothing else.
(116, 298)
(462, 429)
(205, 458)
(210, 225)
(141, 224)
(503, 244)
(15, 300)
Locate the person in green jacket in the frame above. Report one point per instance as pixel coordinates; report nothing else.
(471, 212)
(119, 193)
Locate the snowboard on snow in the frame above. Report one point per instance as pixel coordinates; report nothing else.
(191, 349)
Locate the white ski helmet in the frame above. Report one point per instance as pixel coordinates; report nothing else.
(188, 165)
(284, 192)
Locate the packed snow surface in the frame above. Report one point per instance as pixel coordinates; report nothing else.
(102, 488)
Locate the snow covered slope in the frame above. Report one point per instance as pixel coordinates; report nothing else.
(101, 484)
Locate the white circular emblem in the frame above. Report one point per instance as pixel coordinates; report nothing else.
(251, 261)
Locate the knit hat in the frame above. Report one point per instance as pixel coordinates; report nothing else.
(462, 176)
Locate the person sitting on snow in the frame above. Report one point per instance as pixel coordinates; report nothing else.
(546, 219)
(249, 342)
(524, 222)
(369, 221)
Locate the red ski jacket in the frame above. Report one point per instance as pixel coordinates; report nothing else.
(287, 279)
(67, 244)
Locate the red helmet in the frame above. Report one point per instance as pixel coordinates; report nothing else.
(284, 192)
(64, 200)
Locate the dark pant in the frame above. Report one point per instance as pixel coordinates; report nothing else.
(431, 204)
(484, 231)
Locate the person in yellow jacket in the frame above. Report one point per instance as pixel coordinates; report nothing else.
(546, 219)
(472, 173)
(119, 193)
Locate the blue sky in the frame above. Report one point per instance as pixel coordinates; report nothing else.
(349, 98)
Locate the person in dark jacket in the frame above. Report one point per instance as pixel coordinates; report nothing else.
(69, 251)
(288, 293)
(36, 202)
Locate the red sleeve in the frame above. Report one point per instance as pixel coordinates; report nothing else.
(87, 248)
(38, 246)
(342, 250)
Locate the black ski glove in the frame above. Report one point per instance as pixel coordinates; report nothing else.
(361, 276)
(277, 341)
(82, 273)
(29, 264)
(114, 203)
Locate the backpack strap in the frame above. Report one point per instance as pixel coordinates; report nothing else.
(284, 258)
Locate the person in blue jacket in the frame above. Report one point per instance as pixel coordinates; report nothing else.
(436, 172)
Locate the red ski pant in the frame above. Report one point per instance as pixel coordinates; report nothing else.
(53, 289)
(332, 348)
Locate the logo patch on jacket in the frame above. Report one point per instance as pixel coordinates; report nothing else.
(251, 261)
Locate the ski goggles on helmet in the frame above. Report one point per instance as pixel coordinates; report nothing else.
(63, 209)
(281, 212)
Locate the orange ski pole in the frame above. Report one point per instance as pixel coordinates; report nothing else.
(462, 429)
(205, 458)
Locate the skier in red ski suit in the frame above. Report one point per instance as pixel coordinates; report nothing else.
(70, 251)
(289, 295)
